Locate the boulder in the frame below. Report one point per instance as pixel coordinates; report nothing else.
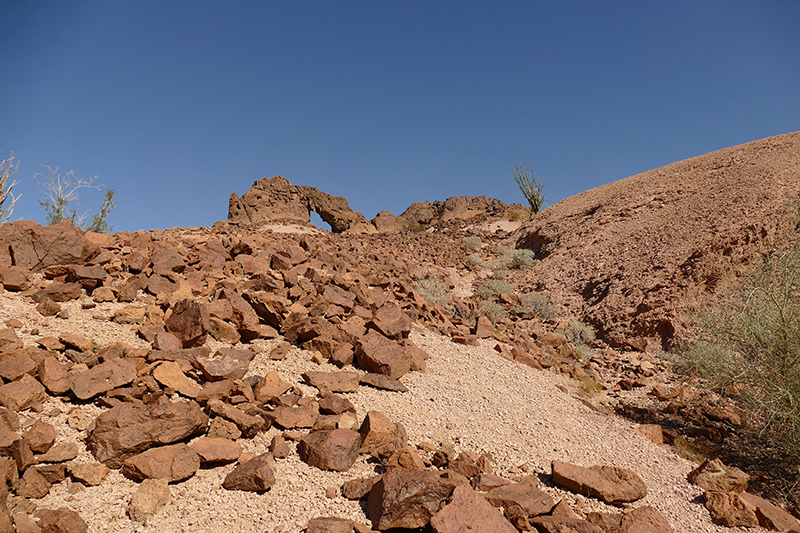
(226, 363)
(64, 520)
(611, 484)
(525, 496)
(215, 450)
(173, 463)
(15, 278)
(54, 376)
(335, 449)
(22, 394)
(16, 363)
(103, 378)
(40, 436)
(304, 416)
(376, 353)
(405, 498)
(189, 322)
(271, 386)
(58, 292)
(150, 496)
(31, 246)
(328, 524)
(90, 474)
(713, 475)
(379, 434)
(127, 429)
(169, 374)
(770, 515)
(468, 511)
(730, 509)
(333, 381)
(256, 475)
(643, 519)
(248, 424)
(391, 321)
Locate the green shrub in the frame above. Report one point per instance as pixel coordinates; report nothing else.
(538, 304)
(473, 243)
(513, 216)
(434, 291)
(61, 189)
(415, 227)
(749, 345)
(474, 260)
(580, 333)
(491, 288)
(493, 311)
(520, 259)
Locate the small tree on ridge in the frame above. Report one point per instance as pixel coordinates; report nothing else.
(532, 188)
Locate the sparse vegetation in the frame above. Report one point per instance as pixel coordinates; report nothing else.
(531, 187)
(493, 311)
(7, 171)
(749, 346)
(474, 260)
(414, 227)
(473, 243)
(580, 333)
(434, 291)
(491, 288)
(520, 259)
(61, 189)
(513, 216)
(538, 304)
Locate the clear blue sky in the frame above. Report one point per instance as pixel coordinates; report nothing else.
(176, 104)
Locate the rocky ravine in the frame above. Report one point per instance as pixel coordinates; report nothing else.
(212, 380)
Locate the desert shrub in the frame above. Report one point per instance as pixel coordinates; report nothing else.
(61, 189)
(538, 304)
(467, 314)
(7, 171)
(491, 288)
(434, 291)
(499, 273)
(749, 345)
(580, 333)
(474, 260)
(493, 311)
(415, 227)
(500, 249)
(532, 188)
(520, 259)
(513, 216)
(473, 243)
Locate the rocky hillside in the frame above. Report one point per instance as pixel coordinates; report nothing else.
(628, 256)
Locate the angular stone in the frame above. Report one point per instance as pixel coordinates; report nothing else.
(35, 247)
(338, 296)
(468, 511)
(15, 364)
(249, 425)
(189, 322)
(379, 381)
(150, 496)
(271, 386)
(328, 524)
(61, 452)
(58, 292)
(128, 429)
(22, 394)
(256, 475)
(560, 524)
(376, 353)
(40, 436)
(215, 390)
(33, 485)
(333, 381)
(226, 363)
(170, 375)
(770, 515)
(103, 294)
(103, 378)
(48, 307)
(336, 405)
(296, 417)
(713, 475)
(335, 449)
(216, 450)
(15, 278)
(166, 341)
(222, 330)
(129, 314)
(407, 498)
(730, 509)
(22, 454)
(173, 463)
(54, 376)
(391, 321)
(224, 429)
(611, 484)
(652, 432)
(355, 489)
(90, 474)
(526, 496)
(380, 434)
(76, 342)
(64, 520)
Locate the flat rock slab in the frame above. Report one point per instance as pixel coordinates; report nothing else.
(217, 450)
(128, 429)
(103, 378)
(713, 475)
(173, 463)
(333, 381)
(296, 417)
(22, 394)
(730, 509)
(609, 483)
(379, 381)
(469, 511)
(531, 500)
(249, 425)
(226, 363)
(170, 375)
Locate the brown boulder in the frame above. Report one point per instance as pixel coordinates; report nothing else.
(40, 436)
(169, 374)
(770, 515)
(15, 278)
(713, 475)
(64, 520)
(127, 429)
(609, 483)
(333, 381)
(30, 245)
(150, 496)
(407, 498)
(376, 353)
(328, 524)
(58, 292)
(189, 322)
(379, 434)
(304, 416)
(14, 364)
(216, 450)
(391, 321)
(525, 496)
(22, 394)
(335, 449)
(90, 474)
(226, 363)
(173, 463)
(103, 378)
(271, 386)
(89, 277)
(54, 376)
(248, 424)
(642, 520)
(256, 475)
(468, 511)
(730, 509)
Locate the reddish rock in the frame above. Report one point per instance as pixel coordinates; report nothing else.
(771, 516)
(15, 278)
(189, 322)
(22, 454)
(224, 429)
(90, 474)
(249, 425)
(48, 307)
(525, 496)
(215, 390)
(379, 381)
(327, 524)
(58, 292)
(22, 394)
(391, 321)
(333, 381)
(330, 449)
(35, 247)
(560, 524)
(223, 331)
(304, 416)
(40, 436)
(54, 376)
(376, 353)
(380, 434)
(173, 463)
(338, 296)
(89, 277)
(64, 520)
(14, 364)
(468, 511)
(644, 519)
(342, 355)
(170, 375)
(256, 475)
(405, 457)
(164, 340)
(128, 429)
(130, 314)
(730, 509)
(103, 378)
(611, 484)
(216, 450)
(407, 498)
(651, 432)
(355, 489)
(713, 475)
(336, 405)
(33, 485)
(279, 448)
(150, 496)
(271, 386)
(484, 328)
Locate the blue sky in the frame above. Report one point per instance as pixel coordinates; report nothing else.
(176, 104)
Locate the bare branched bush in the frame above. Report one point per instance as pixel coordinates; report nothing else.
(7, 171)
(531, 187)
(63, 188)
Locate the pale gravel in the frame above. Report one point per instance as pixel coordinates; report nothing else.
(469, 396)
